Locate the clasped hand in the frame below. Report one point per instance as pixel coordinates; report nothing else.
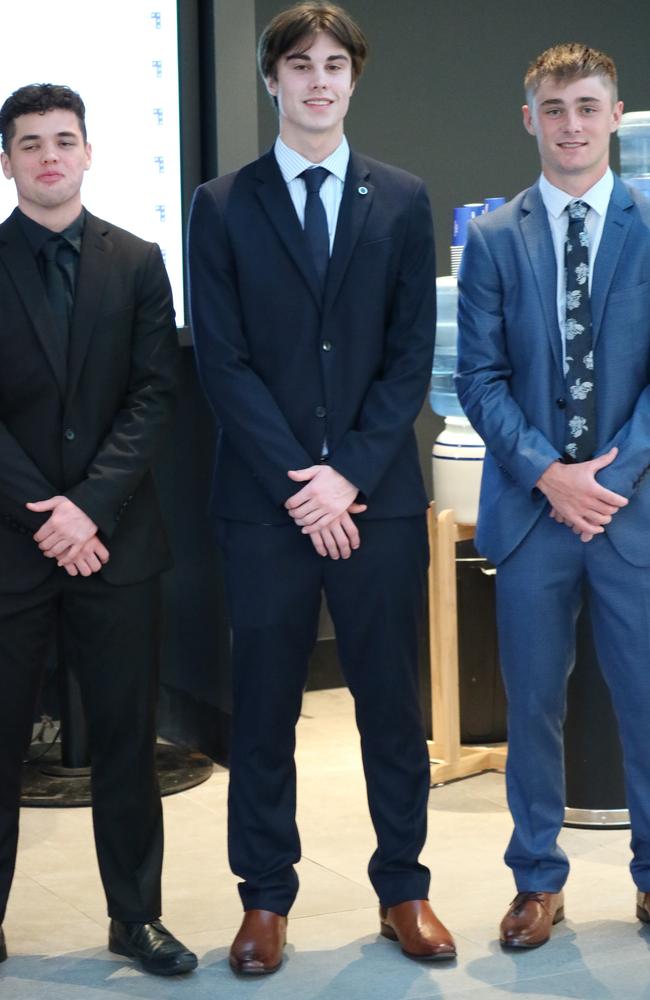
(577, 499)
(322, 510)
(69, 536)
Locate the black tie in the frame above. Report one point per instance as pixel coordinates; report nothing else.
(316, 229)
(56, 286)
(579, 369)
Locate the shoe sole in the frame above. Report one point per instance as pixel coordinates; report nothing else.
(387, 931)
(559, 915)
(118, 949)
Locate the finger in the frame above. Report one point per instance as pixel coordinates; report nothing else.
(101, 551)
(302, 496)
(323, 522)
(342, 541)
(351, 530)
(45, 531)
(603, 460)
(318, 544)
(54, 546)
(83, 567)
(357, 508)
(40, 505)
(330, 543)
(302, 475)
(93, 562)
(311, 509)
(71, 570)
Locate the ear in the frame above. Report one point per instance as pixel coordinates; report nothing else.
(271, 84)
(527, 116)
(6, 166)
(89, 156)
(617, 112)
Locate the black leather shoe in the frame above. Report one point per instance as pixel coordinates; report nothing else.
(155, 948)
(3, 946)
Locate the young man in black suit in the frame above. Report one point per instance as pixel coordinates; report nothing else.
(88, 356)
(313, 308)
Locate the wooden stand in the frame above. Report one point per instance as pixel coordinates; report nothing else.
(449, 759)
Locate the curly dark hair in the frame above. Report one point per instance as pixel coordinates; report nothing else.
(39, 98)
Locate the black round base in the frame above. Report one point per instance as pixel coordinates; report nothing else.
(178, 769)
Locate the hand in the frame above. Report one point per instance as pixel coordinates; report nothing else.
(338, 540)
(326, 496)
(66, 530)
(92, 556)
(577, 499)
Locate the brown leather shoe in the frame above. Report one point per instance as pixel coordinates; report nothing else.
(418, 930)
(257, 949)
(530, 917)
(643, 906)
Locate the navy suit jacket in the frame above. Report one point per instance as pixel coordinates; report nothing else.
(286, 367)
(510, 378)
(87, 426)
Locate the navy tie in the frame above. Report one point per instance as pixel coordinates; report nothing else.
(579, 366)
(316, 229)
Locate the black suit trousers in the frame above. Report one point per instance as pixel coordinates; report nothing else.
(274, 581)
(108, 637)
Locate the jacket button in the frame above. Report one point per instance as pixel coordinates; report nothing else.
(327, 346)
(320, 411)
(69, 434)
(561, 403)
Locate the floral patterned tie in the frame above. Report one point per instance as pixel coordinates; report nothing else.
(579, 361)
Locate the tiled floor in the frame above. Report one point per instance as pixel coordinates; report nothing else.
(56, 925)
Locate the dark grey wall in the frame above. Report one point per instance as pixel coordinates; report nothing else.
(442, 92)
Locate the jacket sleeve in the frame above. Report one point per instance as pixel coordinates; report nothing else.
(242, 402)
(483, 371)
(139, 426)
(394, 399)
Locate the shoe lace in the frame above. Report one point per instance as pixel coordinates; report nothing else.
(522, 898)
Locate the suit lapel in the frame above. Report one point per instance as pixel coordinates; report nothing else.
(617, 224)
(357, 198)
(23, 270)
(276, 201)
(536, 233)
(93, 271)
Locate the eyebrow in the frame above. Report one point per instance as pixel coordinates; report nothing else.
(558, 102)
(307, 57)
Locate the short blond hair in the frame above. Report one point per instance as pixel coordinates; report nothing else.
(570, 61)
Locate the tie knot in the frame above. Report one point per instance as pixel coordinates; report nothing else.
(577, 210)
(314, 177)
(51, 247)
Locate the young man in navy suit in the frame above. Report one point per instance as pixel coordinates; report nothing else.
(88, 355)
(553, 372)
(313, 308)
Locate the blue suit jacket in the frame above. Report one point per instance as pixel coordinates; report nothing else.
(285, 367)
(510, 379)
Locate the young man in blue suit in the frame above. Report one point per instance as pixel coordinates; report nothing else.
(553, 372)
(313, 309)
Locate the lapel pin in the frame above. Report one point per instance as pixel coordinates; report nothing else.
(362, 190)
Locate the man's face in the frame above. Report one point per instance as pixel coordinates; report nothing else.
(573, 123)
(47, 159)
(313, 85)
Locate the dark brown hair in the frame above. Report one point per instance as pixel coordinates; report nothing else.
(300, 23)
(39, 98)
(570, 61)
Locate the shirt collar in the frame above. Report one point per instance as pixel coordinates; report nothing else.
(292, 164)
(37, 235)
(597, 197)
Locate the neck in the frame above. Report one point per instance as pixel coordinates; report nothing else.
(57, 219)
(316, 147)
(576, 185)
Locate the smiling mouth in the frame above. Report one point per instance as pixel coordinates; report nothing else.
(571, 145)
(318, 102)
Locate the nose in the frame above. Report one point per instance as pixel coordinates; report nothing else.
(319, 79)
(573, 122)
(49, 153)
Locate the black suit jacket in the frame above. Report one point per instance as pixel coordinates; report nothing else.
(286, 368)
(89, 427)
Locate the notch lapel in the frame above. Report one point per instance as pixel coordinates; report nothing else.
(358, 194)
(276, 202)
(93, 271)
(23, 270)
(536, 233)
(617, 224)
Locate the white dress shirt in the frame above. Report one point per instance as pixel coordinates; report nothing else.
(555, 201)
(292, 164)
